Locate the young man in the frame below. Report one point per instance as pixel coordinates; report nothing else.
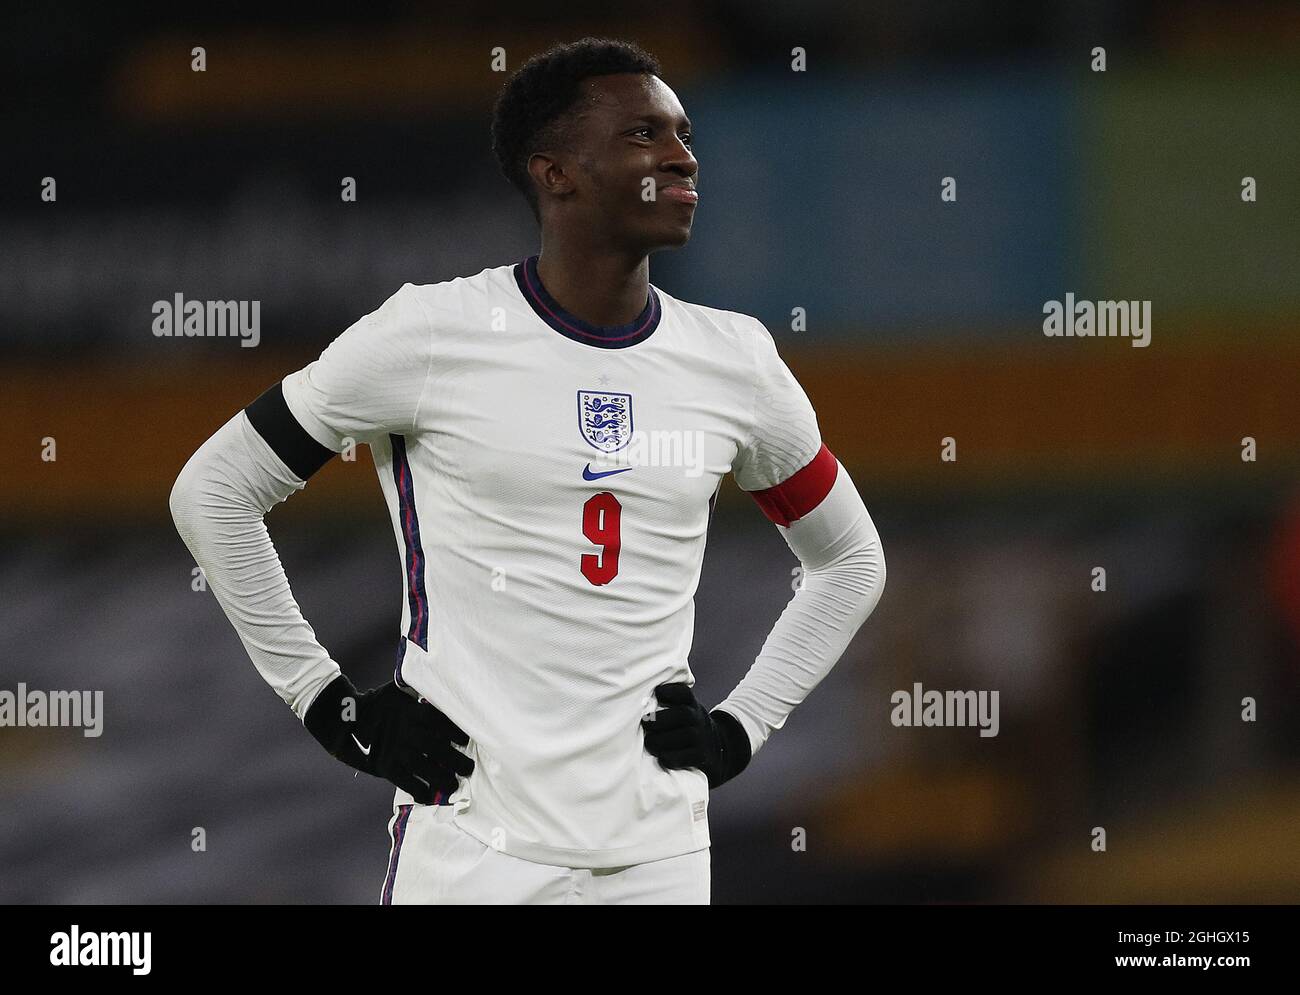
(540, 726)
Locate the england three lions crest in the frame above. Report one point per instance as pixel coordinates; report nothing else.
(605, 419)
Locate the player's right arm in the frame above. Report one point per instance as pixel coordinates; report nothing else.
(367, 383)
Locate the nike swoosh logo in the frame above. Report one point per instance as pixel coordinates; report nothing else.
(588, 474)
(364, 749)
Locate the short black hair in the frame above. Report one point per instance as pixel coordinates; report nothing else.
(536, 98)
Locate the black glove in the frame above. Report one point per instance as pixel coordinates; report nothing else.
(682, 734)
(387, 732)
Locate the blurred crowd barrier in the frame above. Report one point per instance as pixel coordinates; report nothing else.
(823, 197)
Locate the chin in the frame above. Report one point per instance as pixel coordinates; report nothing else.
(675, 239)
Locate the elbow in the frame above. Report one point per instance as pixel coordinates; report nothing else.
(864, 574)
(874, 571)
(181, 500)
(880, 565)
(856, 578)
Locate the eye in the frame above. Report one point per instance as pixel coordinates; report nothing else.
(647, 132)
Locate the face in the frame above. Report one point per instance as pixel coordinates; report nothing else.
(629, 173)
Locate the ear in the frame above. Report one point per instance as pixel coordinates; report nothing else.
(549, 175)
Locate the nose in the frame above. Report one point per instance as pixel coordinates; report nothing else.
(680, 160)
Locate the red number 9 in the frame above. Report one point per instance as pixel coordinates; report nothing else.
(601, 524)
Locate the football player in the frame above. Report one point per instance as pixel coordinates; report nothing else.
(540, 728)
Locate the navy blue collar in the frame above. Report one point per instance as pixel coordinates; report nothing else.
(573, 327)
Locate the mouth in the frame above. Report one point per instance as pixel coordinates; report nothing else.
(683, 193)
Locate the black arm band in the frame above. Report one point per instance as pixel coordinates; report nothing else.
(275, 423)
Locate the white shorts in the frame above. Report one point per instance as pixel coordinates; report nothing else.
(434, 862)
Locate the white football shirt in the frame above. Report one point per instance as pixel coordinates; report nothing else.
(550, 485)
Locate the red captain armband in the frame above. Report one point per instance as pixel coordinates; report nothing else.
(803, 491)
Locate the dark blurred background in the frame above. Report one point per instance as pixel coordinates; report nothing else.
(1119, 709)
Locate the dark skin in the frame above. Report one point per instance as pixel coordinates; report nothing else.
(597, 229)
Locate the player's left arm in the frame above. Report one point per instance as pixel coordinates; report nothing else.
(810, 497)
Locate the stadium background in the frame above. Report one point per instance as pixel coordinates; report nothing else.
(1119, 709)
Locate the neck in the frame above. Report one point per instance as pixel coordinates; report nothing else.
(600, 286)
